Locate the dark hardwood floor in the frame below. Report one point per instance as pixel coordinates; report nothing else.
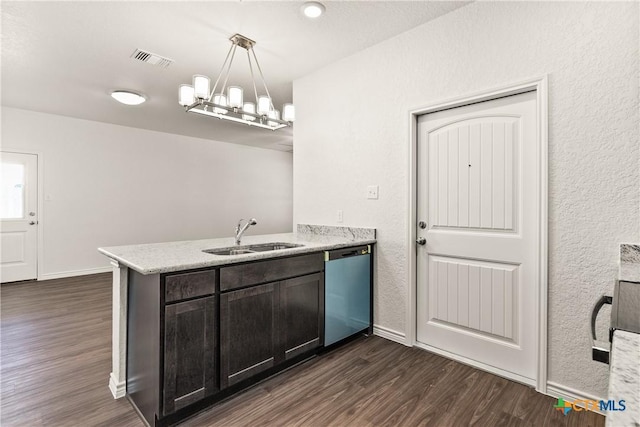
(55, 359)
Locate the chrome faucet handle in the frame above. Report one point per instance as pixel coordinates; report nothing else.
(240, 230)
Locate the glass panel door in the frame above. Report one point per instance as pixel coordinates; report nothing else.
(12, 191)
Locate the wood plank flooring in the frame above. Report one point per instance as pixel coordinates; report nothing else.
(55, 354)
(55, 359)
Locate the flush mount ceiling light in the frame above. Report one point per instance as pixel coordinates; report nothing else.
(312, 9)
(128, 97)
(199, 98)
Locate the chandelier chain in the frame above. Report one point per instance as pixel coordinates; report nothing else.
(262, 77)
(226, 78)
(220, 73)
(253, 79)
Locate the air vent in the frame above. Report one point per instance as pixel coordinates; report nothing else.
(151, 58)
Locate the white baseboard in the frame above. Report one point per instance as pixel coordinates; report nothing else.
(389, 334)
(74, 273)
(558, 390)
(482, 366)
(118, 390)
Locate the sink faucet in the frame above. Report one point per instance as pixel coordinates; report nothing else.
(241, 229)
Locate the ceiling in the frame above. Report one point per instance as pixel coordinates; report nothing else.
(66, 57)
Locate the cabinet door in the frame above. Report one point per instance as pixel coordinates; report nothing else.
(189, 353)
(248, 332)
(302, 311)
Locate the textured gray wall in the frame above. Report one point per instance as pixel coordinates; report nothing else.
(353, 131)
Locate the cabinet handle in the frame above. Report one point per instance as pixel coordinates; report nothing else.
(352, 253)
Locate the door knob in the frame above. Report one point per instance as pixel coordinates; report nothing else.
(33, 222)
(421, 241)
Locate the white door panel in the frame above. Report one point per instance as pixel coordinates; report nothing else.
(13, 245)
(476, 295)
(18, 216)
(477, 192)
(472, 172)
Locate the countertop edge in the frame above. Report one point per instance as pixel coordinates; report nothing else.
(122, 261)
(222, 260)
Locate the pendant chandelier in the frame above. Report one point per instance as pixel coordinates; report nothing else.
(228, 102)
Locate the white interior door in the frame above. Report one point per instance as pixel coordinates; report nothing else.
(18, 216)
(478, 194)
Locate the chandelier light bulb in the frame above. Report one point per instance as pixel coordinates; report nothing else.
(201, 86)
(264, 105)
(288, 112)
(273, 114)
(235, 96)
(220, 99)
(249, 107)
(186, 95)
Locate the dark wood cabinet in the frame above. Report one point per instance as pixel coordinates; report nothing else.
(302, 314)
(189, 285)
(199, 336)
(190, 365)
(248, 332)
(253, 273)
(265, 325)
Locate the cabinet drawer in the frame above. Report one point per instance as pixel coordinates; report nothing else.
(189, 285)
(269, 271)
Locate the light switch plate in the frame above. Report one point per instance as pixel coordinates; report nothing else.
(372, 192)
(339, 216)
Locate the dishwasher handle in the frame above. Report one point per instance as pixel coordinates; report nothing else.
(346, 253)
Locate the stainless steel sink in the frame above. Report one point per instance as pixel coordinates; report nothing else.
(272, 246)
(228, 251)
(249, 249)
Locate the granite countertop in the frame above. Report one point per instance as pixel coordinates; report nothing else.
(624, 372)
(156, 258)
(629, 266)
(624, 379)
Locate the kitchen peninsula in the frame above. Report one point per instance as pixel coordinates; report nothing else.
(179, 308)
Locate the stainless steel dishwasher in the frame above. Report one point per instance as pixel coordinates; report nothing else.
(347, 293)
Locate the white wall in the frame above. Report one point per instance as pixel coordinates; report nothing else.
(114, 185)
(353, 130)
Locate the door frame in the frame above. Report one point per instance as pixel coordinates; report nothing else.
(39, 201)
(540, 85)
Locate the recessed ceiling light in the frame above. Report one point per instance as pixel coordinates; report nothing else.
(313, 9)
(127, 97)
